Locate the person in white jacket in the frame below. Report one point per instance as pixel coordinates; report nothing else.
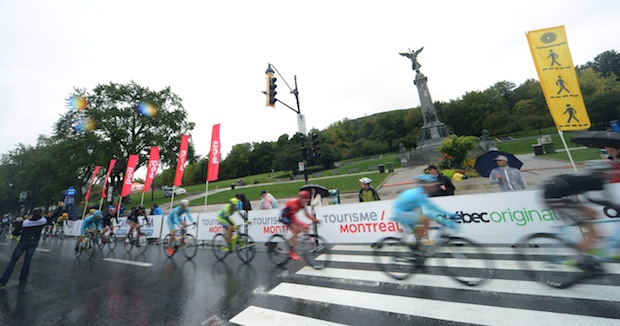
(267, 201)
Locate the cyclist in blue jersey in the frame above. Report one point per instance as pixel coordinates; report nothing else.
(174, 218)
(92, 221)
(223, 218)
(413, 207)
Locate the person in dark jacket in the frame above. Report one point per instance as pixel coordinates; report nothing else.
(446, 188)
(30, 231)
(245, 204)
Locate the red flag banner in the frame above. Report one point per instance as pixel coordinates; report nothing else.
(105, 182)
(178, 178)
(91, 182)
(131, 168)
(152, 168)
(214, 155)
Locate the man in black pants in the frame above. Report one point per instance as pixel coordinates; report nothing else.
(445, 188)
(30, 231)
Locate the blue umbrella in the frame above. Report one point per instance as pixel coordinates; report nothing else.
(486, 162)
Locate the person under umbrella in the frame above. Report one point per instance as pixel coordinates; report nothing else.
(508, 178)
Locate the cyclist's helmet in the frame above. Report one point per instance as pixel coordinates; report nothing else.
(141, 207)
(97, 213)
(424, 179)
(65, 215)
(365, 180)
(185, 202)
(92, 210)
(236, 203)
(304, 195)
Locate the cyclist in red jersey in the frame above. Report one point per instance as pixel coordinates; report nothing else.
(289, 219)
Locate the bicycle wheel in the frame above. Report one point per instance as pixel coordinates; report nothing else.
(100, 241)
(189, 246)
(90, 248)
(315, 251)
(220, 246)
(395, 258)
(128, 243)
(277, 249)
(246, 248)
(551, 260)
(142, 243)
(61, 235)
(112, 241)
(166, 244)
(467, 261)
(80, 249)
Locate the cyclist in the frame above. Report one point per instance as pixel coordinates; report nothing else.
(289, 219)
(60, 221)
(49, 227)
(92, 221)
(413, 207)
(223, 218)
(561, 192)
(107, 223)
(4, 225)
(134, 220)
(367, 192)
(174, 218)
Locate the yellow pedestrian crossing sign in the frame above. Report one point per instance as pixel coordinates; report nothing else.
(558, 78)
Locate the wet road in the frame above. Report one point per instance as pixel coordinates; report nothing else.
(116, 288)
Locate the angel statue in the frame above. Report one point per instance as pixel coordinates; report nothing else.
(413, 56)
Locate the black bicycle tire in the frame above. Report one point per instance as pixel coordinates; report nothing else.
(91, 248)
(552, 260)
(190, 249)
(468, 253)
(398, 264)
(166, 244)
(278, 249)
(315, 246)
(246, 248)
(80, 248)
(128, 243)
(142, 247)
(112, 241)
(217, 246)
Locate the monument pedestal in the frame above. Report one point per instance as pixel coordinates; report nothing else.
(433, 131)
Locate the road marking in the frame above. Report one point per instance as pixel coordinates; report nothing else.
(610, 268)
(43, 250)
(441, 310)
(579, 291)
(253, 315)
(128, 262)
(488, 250)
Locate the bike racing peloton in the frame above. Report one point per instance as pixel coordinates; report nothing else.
(174, 218)
(90, 222)
(223, 218)
(289, 219)
(413, 207)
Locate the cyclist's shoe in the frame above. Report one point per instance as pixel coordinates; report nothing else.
(294, 255)
(227, 248)
(170, 251)
(591, 266)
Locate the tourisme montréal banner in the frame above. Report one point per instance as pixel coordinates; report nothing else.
(214, 155)
(105, 182)
(152, 168)
(129, 172)
(178, 178)
(92, 180)
(558, 78)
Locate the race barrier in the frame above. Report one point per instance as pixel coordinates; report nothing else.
(501, 218)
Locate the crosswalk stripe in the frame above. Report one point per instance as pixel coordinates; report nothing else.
(489, 250)
(43, 250)
(128, 262)
(579, 291)
(257, 316)
(442, 310)
(461, 263)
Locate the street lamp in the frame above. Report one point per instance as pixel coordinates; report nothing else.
(89, 149)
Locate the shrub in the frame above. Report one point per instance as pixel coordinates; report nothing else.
(455, 150)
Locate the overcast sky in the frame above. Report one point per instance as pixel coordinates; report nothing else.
(214, 54)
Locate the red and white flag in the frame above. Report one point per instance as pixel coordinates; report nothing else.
(105, 182)
(178, 177)
(129, 172)
(152, 168)
(92, 180)
(214, 155)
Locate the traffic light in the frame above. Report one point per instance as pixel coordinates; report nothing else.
(315, 145)
(271, 88)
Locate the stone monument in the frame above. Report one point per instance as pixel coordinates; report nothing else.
(433, 131)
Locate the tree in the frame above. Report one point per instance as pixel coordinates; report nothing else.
(606, 63)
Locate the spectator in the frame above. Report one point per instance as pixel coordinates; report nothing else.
(267, 201)
(315, 200)
(508, 178)
(156, 210)
(613, 154)
(30, 231)
(245, 205)
(446, 188)
(367, 192)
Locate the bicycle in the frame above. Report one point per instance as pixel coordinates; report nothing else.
(561, 263)
(87, 244)
(139, 241)
(59, 234)
(240, 241)
(48, 232)
(108, 238)
(401, 257)
(309, 245)
(182, 239)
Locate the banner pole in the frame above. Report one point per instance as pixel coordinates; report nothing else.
(100, 203)
(570, 157)
(84, 213)
(172, 198)
(118, 210)
(206, 194)
(142, 200)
